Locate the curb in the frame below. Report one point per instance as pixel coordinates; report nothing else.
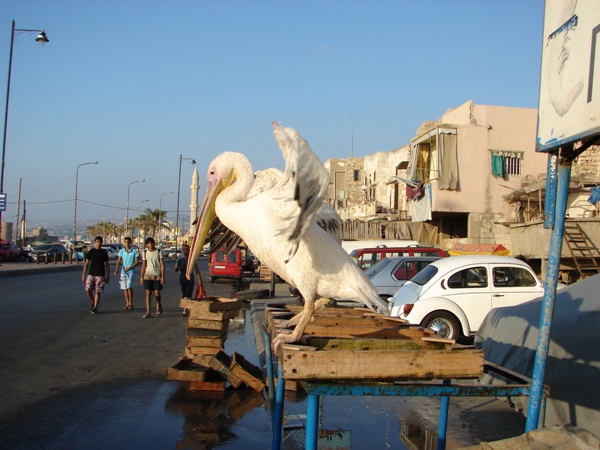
(36, 270)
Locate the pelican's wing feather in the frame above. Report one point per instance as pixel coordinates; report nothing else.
(264, 180)
(309, 178)
(330, 221)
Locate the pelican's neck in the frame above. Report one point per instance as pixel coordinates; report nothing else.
(244, 178)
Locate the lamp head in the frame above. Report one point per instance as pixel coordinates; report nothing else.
(42, 38)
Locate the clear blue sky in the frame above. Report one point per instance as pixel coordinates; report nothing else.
(134, 84)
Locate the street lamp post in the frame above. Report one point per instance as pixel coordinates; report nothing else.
(127, 207)
(160, 215)
(181, 158)
(42, 39)
(139, 210)
(75, 209)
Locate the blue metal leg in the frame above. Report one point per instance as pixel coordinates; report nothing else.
(278, 422)
(443, 426)
(312, 422)
(270, 380)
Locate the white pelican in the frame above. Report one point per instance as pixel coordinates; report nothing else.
(278, 223)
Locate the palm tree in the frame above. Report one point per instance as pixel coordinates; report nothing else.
(151, 218)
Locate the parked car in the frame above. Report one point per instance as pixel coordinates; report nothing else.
(50, 253)
(115, 247)
(8, 251)
(390, 274)
(367, 257)
(175, 254)
(112, 254)
(453, 295)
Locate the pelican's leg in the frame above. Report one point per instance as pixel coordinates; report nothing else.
(296, 319)
(294, 336)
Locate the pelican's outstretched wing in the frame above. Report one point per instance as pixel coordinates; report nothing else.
(330, 221)
(309, 177)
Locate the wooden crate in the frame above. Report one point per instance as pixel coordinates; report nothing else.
(220, 325)
(217, 342)
(187, 370)
(251, 375)
(346, 345)
(221, 363)
(265, 272)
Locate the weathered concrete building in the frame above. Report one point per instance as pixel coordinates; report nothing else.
(473, 176)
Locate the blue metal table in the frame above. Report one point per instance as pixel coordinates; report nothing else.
(516, 386)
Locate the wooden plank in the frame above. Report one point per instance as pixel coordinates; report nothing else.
(219, 316)
(205, 342)
(186, 370)
(250, 374)
(203, 360)
(343, 320)
(211, 304)
(208, 324)
(336, 344)
(293, 386)
(437, 339)
(190, 352)
(374, 332)
(380, 365)
(201, 332)
(326, 310)
(220, 363)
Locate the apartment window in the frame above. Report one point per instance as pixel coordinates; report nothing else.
(356, 175)
(513, 165)
(506, 163)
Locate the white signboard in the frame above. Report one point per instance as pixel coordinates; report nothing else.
(569, 104)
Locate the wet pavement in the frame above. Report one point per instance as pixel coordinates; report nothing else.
(150, 412)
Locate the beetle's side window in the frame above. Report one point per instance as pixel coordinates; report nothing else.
(473, 277)
(513, 276)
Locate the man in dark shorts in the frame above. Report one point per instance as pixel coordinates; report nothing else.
(153, 276)
(99, 273)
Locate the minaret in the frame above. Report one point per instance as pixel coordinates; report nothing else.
(194, 202)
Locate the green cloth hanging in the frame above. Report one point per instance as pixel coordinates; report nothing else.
(498, 167)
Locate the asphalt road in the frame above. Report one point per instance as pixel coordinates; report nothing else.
(51, 343)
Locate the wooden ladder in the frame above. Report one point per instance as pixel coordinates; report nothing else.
(585, 254)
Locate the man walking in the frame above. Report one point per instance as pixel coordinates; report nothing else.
(153, 276)
(99, 273)
(129, 258)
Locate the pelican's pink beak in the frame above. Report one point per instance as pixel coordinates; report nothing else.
(207, 215)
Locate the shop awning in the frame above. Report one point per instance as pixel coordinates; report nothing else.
(478, 249)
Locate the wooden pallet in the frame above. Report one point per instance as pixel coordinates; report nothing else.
(345, 345)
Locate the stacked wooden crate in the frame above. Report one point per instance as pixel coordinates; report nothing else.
(208, 322)
(206, 366)
(355, 344)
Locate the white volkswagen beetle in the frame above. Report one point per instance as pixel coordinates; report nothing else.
(453, 295)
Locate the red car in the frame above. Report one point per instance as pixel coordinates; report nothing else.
(9, 252)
